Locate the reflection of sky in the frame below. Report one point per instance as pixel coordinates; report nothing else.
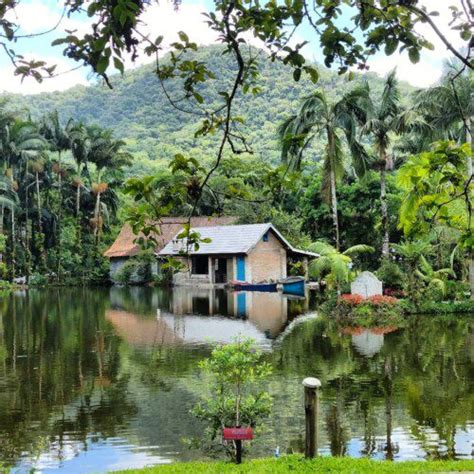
(112, 455)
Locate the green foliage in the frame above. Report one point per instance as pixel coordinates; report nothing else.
(437, 189)
(235, 373)
(333, 265)
(377, 311)
(391, 275)
(136, 270)
(139, 112)
(57, 194)
(296, 463)
(445, 307)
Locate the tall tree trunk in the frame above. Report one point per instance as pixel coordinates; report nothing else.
(60, 215)
(2, 216)
(40, 237)
(96, 218)
(78, 218)
(13, 265)
(38, 204)
(383, 206)
(470, 141)
(334, 208)
(332, 185)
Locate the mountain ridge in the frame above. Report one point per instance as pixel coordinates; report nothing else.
(139, 112)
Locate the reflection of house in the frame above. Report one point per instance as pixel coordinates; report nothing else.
(184, 318)
(140, 331)
(267, 311)
(250, 253)
(125, 247)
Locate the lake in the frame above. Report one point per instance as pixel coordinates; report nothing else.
(96, 380)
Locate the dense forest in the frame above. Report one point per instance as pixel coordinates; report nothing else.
(367, 172)
(140, 114)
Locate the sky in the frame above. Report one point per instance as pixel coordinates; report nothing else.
(37, 16)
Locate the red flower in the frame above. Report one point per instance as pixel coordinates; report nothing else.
(380, 300)
(352, 300)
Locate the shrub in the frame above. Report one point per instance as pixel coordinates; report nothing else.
(37, 279)
(136, 270)
(351, 300)
(378, 310)
(392, 275)
(236, 398)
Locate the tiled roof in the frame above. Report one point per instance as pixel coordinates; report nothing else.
(230, 239)
(124, 245)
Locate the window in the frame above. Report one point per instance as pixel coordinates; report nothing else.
(200, 265)
(265, 237)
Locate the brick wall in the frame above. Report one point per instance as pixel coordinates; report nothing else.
(267, 261)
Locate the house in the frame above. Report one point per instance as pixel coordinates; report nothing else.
(125, 247)
(252, 253)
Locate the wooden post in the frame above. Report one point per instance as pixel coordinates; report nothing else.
(311, 408)
(238, 451)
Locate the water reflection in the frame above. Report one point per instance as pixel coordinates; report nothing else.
(182, 316)
(95, 380)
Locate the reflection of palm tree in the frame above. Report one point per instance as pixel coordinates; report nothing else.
(334, 421)
(388, 389)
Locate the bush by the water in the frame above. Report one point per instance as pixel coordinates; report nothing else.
(434, 307)
(372, 311)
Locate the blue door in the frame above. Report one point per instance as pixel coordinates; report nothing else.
(241, 268)
(241, 305)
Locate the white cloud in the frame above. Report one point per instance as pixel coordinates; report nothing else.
(423, 74)
(12, 83)
(428, 71)
(38, 16)
(163, 19)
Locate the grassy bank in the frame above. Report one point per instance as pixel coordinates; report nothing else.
(299, 464)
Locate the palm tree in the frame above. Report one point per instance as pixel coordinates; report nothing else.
(59, 138)
(318, 116)
(334, 264)
(385, 121)
(8, 200)
(449, 107)
(106, 154)
(20, 142)
(80, 145)
(434, 279)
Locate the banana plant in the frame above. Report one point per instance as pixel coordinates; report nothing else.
(334, 265)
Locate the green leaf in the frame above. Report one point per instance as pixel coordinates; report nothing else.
(414, 55)
(118, 65)
(102, 65)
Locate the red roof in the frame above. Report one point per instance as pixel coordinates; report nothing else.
(124, 245)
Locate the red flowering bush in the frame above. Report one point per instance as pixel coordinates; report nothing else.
(379, 300)
(352, 300)
(376, 311)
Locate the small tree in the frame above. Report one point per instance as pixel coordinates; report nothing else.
(334, 265)
(235, 371)
(437, 192)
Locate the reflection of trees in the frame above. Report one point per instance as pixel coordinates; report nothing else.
(424, 368)
(61, 365)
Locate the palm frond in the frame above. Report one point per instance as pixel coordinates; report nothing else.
(359, 249)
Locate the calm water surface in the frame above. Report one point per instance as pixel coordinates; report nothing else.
(96, 380)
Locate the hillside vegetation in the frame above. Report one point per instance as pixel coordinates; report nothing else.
(138, 111)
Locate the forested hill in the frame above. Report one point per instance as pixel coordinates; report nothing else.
(139, 112)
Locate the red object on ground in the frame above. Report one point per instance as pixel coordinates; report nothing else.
(238, 433)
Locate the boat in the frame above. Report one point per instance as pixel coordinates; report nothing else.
(244, 286)
(293, 286)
